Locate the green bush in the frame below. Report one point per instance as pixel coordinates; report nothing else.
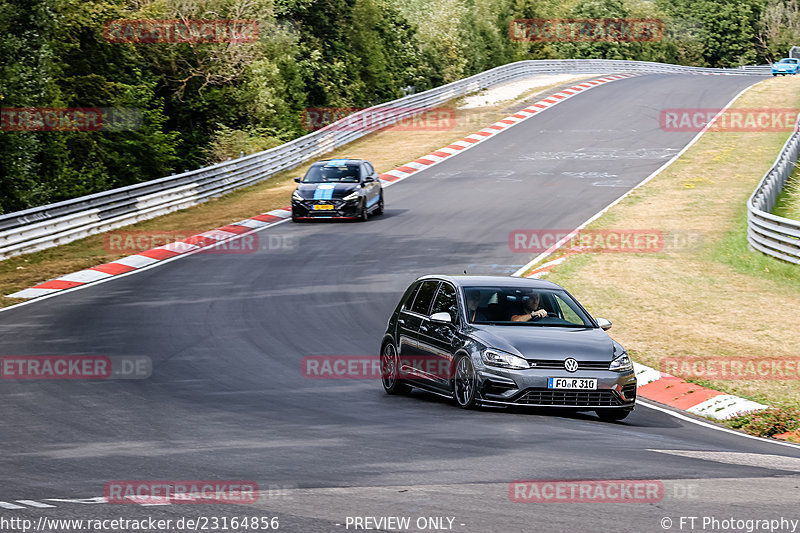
(227, 143)
(768, 422)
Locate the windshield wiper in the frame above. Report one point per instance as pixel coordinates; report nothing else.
(551, 325)
(531, 323)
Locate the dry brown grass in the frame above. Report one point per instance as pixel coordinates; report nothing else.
(690, 303)
(386, 150)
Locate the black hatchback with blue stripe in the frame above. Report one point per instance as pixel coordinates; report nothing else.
(338, 188)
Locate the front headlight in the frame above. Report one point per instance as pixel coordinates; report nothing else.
(351, 196)
(622, 363)
(296, 196)
(503, 360)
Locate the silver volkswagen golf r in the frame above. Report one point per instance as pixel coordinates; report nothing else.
(492, 340)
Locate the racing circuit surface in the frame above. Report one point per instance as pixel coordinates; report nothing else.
(226, 333)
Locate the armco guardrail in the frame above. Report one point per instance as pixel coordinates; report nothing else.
(768, 233)
(50, 225)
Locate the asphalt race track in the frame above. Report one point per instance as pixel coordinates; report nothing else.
(226, 333)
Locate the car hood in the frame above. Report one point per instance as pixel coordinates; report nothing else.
(549, 343)
(326, 191)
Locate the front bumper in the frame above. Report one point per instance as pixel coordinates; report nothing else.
(497, 386)
(338, 209)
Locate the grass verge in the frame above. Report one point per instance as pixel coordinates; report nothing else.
(386, 150)
(717, 300)
(788, 203)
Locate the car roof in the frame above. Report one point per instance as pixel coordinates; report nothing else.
(345, 159)
(503, 281)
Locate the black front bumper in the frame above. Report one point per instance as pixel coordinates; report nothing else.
(338, 209)
(500, 392)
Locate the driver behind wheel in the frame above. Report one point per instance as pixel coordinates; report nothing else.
(530, 310)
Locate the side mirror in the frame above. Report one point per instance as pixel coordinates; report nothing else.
(297, 179)
(369, 179)
(604, 323)
(441, 318)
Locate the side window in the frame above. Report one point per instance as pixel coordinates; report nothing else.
(409, 301)
(446, 301)
(370, 170)
(422, 303)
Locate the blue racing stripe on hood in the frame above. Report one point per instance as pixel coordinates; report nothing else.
(324, 191)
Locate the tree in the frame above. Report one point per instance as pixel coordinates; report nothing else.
(727, 29)
(53, 55)
(778, 29)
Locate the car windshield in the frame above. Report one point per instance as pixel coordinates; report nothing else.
(788, 60)
(514, 306)
(335, 173)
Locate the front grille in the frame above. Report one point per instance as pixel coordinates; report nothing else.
(336, 203)
(559, 365)
(340, 208)
(577, 398)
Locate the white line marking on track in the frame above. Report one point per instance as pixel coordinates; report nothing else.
(6, 505)
(96, 499)
(34, 503)
(758, 460)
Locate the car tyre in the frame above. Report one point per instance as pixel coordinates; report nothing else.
(465, 383)
(390, 368)
(379, 210)
(364, 216)
(612, 415)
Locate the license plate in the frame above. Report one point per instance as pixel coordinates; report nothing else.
(572, 383)
(325, 207)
